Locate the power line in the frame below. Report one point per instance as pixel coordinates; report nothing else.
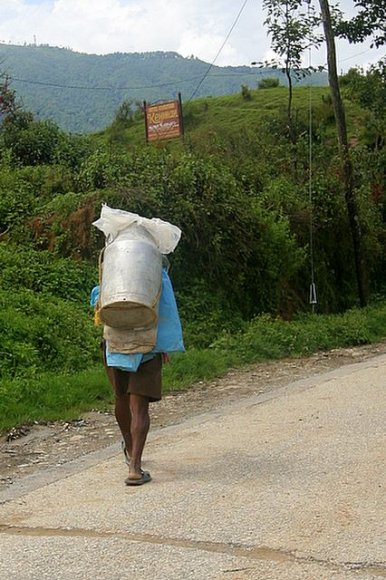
(118, 88)
(312, 291)
(219, 52)
(96, 88)
(354, 55)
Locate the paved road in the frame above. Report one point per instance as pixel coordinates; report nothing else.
(289, 485)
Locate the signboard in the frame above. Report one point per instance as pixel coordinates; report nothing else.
(163, 120)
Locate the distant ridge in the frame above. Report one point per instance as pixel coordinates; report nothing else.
(81, 92)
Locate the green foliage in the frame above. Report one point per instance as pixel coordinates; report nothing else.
(31, 142)
(368, 22)
(52, 396)
(8, 100)
(269, 83)
(369, 90)
(246, 93)
(124, 77)
(205, 313)
(44, 316)
(42, 333)
(229, 187)
(270, 338)
(292, 30)
(230, 237)
(17, 198)
(65, 396)
(40, 272)
(242, 195)
(97, 171)
(124, 119)
(73, 150)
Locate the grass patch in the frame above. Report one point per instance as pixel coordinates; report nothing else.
(52, 397)
(63, 397)
(230, 111)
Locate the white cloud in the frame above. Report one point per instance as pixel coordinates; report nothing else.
(189, 27)
(103, 26)
(196, 43)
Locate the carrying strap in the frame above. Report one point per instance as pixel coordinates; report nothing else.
(97, 311)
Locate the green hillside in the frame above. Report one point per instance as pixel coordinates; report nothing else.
(81, 92)
(241, 188)
(231, 117)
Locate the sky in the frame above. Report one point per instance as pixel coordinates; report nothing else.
(222, 32)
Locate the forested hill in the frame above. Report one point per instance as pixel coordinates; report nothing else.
(81, 92)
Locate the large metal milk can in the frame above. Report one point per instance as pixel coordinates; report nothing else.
(131, 271)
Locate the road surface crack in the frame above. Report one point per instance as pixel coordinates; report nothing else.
(258, 553)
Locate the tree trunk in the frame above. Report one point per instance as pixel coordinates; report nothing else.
(288, 75)
(289, 106)
(347, 167)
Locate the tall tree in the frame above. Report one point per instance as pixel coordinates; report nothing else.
(368, 88)
(370, 21)
(292, 31)
(347, 168)
(8, 104)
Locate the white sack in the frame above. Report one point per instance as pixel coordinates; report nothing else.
(113, 221)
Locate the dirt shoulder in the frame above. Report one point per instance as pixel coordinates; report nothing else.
(31, 449)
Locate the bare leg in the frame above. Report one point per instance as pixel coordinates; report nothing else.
(119, 381)
(132, 415)
(123, 417)
(140, 423)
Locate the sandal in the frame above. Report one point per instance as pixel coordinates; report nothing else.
(145, 477)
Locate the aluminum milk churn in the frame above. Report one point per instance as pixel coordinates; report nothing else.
(131, 269)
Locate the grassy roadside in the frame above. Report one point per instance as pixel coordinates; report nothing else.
(62, 397)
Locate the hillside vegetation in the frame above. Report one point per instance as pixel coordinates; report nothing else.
(80, 92)
(244, 196)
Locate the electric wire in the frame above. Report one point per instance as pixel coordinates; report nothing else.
(353, 56)
(126, 88)
(219, 51)
(312, 296)
(166, 84)
(96, 88)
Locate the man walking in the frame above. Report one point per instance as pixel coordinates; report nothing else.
(134, 391)
(136, 304)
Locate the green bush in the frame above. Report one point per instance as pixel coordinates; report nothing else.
(268, 83)
(246, 93)
(35, 143)
(267, 337)
(43, 272)
(205, 313)
(42, 333)
(18, 198)
(50, 396)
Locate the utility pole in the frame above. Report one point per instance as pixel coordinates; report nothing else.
(347, 168)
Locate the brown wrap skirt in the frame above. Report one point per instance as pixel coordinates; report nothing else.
(147, 381)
